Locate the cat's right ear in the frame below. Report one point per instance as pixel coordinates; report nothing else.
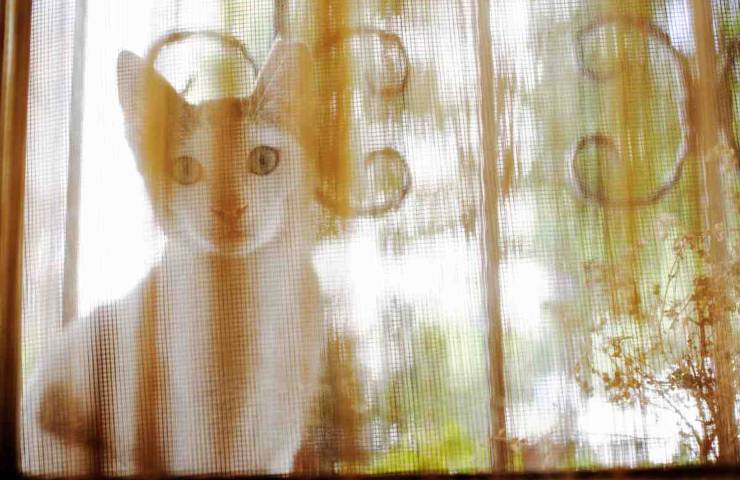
(135, 86)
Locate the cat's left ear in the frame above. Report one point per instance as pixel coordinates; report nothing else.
(285, 82)
(139, 89)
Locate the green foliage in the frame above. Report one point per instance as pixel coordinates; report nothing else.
(419, 406)
(546, 454)
(450, 449)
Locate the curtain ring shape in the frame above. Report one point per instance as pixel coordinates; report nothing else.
(601, 140)
(179, 36)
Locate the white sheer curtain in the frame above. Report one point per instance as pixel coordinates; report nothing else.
(485, 320)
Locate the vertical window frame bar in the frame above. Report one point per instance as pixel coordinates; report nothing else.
(16, 41)
(74, 171)
(488, 131)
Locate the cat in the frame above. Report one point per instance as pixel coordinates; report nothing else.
(211, 365)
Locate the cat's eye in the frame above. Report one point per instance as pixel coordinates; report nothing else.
(263, 160)
(187, 170)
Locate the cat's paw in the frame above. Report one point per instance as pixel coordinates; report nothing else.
(61, 414)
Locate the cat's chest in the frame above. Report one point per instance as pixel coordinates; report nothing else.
(205, 297)
(225, 325)
(237, 344)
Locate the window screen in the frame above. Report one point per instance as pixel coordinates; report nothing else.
(388, 236)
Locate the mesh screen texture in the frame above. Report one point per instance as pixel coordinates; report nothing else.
(386, 236)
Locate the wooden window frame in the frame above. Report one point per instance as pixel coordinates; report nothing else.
(16, 40)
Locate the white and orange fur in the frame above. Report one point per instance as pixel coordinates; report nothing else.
(211, 364)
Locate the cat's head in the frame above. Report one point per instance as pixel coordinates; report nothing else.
(227, 175)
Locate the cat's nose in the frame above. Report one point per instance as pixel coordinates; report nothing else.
(229, 215)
